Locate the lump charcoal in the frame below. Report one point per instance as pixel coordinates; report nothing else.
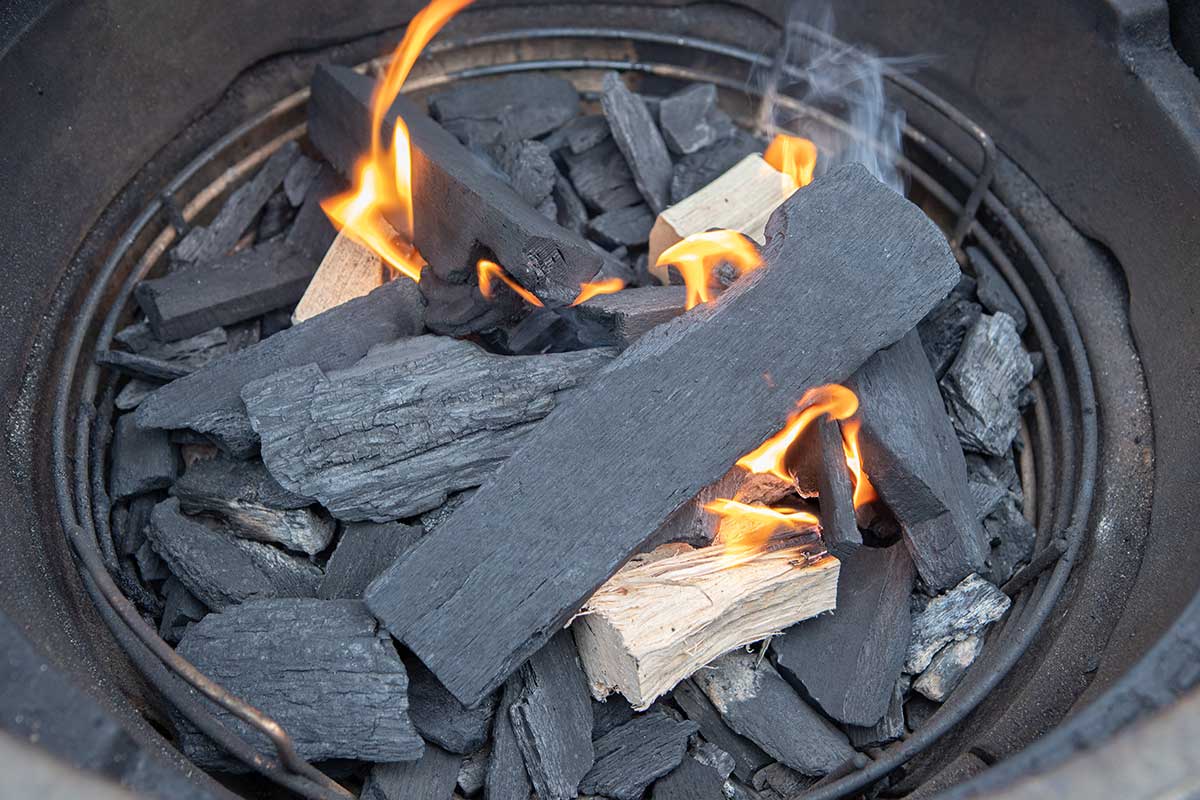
(192, 352)
(639, 140)
(839, 527)
(757, 703)
(947, 668)
(622, 227)
(430, 520)
(278, 655)
(180, 609)
(581, 134)
(691, 780)
(142, 460)
(548, 209)
(149, 565)
(993, 290)
(962, 612)
(998, 470)
(551, 718)
(917, 710)
(506, 777)
(943, 330)
(431, 777)
(141, 367)
(288, 574)
(454, 309)
(530, 169)
(602, 178)
(987, 497)
(779, 780)
(620, 319)
(133, 393)
(610, 713)
(441, 719)
(571, 213)
(130, 521)
(632, 756)
(848, 661)
(312, 233)
(473, 773)
(276, 216)
(690, 119)
(696, 170)
(1012, 540)
(890, 727)
(299, 178)
(710, 755)
(748, 758)
(364, 550)
(505, 109)
(444, 414)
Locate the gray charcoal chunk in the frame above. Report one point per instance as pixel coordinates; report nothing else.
(505, 109)
(506, 777)
(610, 713)
(947, 668)
(193, 352)
(890, 727)
(748, 757)
(279, 656)
(180, 609)
(690, 119)
(299, 178)
(569, 208)
(691, 780)
(639, 140)
(130, 521)
(632, 756)
(364, 550)
(943, 330)
(982, 386)
(440, 718)
(987, 497)
(993, 290)
(602, 178)
(150, 566)
(142, 460)
(780, 780)
(472, 775)
(918, 709)
(432, 776)
(430, 520)
(1012, 540)
(710, 755)
(962, 612)
(529, 168)
(142, 367)
(133, 393)
(628, 227)
(289, 575)
(621, 318)
(312, 232)
(276, 216)
(583, 133)
(696, 170)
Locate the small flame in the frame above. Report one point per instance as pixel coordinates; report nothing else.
(770, 457)
(589, 290)
(745, 528)
(487, 270)
(864, 492)
(794, 156)
(697, 255)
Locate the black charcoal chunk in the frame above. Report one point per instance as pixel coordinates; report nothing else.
(622, 227)
(690, 119)
(964, 611)
(364, 550)
(602, 178)
(696, 170)
(133, 393)
(299, 178)
(691, 780)
(290, 575)
(142, 460)
(570, 211)
(580, 134)
(639, 140)
(529, 168)
(632, 756)
(431, 777)
(943, 330)
(149, 565)
(193, 352)
(276, 216)
(312, 233)
(506, 777)
(620, 319)
(890, 727)
(130, 521)
(180, 609)
(948, 668)
(141, 367)
(1012, 540)
(839, 527)
(993, 290)
(440, 718)
(610, 713)
(780, 781)
(506, 109)
(748, 757)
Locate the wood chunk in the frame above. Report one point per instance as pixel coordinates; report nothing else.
(465, 211)
(890, 727)
(993, 290)
(848, 661)
(637, 136)
(948, 668)
(839, 528)
(441, 719)
(225, 291)
(983, 385)
(278, 655)
(142, 460)
(507, 778)
(691, 780)
(741, 199)
(748, 758)
(252, 504)
(632, 756)
(759, 704)
(348, 270)
(620, 319)
(507, 109)
(696, 170)
(1012, 540)
(209, 401)
(431, 777)
(962, 612)
(364, 550)
(602, 177)
(660, 618)
(141, 367)
(622, 227)
(529, 167)
(913, 459)
(942, 332)
(412, 422)
(873, 266)
(552, 719)
(299, 178)
(690, 119)
(312, 232)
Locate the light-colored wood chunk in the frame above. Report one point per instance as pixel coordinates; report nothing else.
(349, 270)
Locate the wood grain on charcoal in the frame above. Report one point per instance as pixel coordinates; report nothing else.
(364, 550)
(632, 756)
(141, 367)
(962, 612)
(601, 176)
(943, 330)
(506, 109)
(142, 460)
(639, 140)
(948, 668)
(598, 477)
(691, 780)
(431, 777)
(621, 318)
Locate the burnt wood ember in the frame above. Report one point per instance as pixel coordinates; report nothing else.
(948, 668)
(348, 270)
(943, 331)
(278, 655)
(848, 661)
(622, 227)
(691, 780)
(413, 421)
(529, 167)
(455, 309)
(983, 384)
(225, 291)
(639, 140)
(142, 460)
(364, 550)
(465, 211)
(839, 528)
(620, 319)
(580, 134)
(602, 177)
(993, 291)
(748, 758)
(299, 178)
(890, 726)
(252, 504)
(441, 719)
(632, 756)
(141, 367)
(962, 612)
(431, 777)
(914, 462)
(691, 119)
(506, 109)
(507, 778)
(209, 401)
(757, 703)
(312, 232)
(873, 266)
(696, 170)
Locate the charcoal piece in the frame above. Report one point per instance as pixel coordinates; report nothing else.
(876, 263)
(203, 244)
(506, 777)
(431, 777)
(780, 780)
(987, 497)
(839, 528)
(571, 213)
(130, 521)
(548, 209)
(278, 655)
(610, 713)
(962, 612)
(710, 755)
(696, 170)
(848, 661)
(552, 719)
(584, 133)
(890, 727)
(412, 422)
(632, 756)
(142, 460)
(209, 401)
(180, 609)
(149, 565)
(299, 178)
(622, 227)
(466, 212)
(917, 710)
(312, 233)
(133, 393)
(454, 309)
(472, 775)
(948, 668)
(193, 352)
(225, 291)
(441, 719)
(621, 318)
(983, 384)
(639, 140)
(993, 290)
(690, 119)
(943, 330)
(364, 550)
(691, 780)
(757, 703)
(276, 216)
(275, 321)
(602, 178)
(1012, 540)
(748, 757)
(289, 575)
(430, 520)
(141, 367)
(998, 470)
(912, 456)
(506, 109)
(530, 168)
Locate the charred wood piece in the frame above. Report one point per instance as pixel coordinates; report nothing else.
(506, 109)
(529, 168)
(964, 611)
(748, 757)
(602, 177)
(839, 527)
(141, 367)
(180, 609)
(312, 232)
(506, 777)
(191, 353)
(142, 460)
(632, 756)
(299, 178)
(364, 550)
(441, 719)
(622, 227)
(993, 290)
(432, 776)
(691, 780)
(1012, 540)
(943, 331)
(890, 726)
(690, 119)
(948, 668)
(620, 319)
(639, 140)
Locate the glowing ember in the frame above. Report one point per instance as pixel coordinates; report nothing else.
(589, 290)
(794, 156)
(696, 256)
(487, 270)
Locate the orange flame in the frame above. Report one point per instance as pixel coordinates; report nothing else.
(697, 255)
(746, 527)
(383, 181)
(864, 492)
(832, 399)
(794, 156)
(589, 290)
(487, 270)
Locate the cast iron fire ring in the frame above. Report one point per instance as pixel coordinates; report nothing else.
(1065, 440)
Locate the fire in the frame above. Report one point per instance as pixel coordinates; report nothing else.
(589, 290)
(487, 270)
(383, 179)
(794, 156)
(770, 457)
(697, 255)
(746, 528)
